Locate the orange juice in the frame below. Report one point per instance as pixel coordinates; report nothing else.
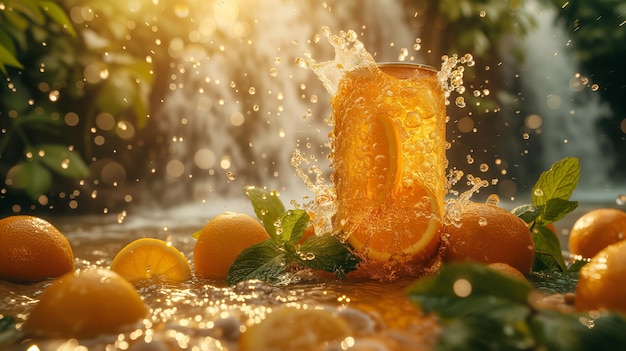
(388, 159)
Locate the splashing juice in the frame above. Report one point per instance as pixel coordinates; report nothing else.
(388, 160)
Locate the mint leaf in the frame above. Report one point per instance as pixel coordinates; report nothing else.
(267, 206)
(326, 253)
(558, 331)
(265, 261)
(495, 314)
(554, 282)
(550, 203)
(559, 182)
(292, 225)
(555, 209)
(548, 253)
(528, 213)
(482, 281)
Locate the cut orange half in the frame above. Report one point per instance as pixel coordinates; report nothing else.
(149, 258)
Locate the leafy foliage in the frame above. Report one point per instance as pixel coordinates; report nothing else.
(104, 59)
(550, 202)
(272, 259)
(483, 309)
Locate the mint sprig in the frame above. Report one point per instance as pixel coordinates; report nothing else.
(550, 203)
(285, 251)
(483, 309)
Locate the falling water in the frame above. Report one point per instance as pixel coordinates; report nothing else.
(235, 117)
(562, 103)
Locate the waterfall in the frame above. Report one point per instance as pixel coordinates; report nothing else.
(566, 105)
(240, 106)
(238, 109)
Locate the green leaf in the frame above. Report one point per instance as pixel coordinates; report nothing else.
(265, 261)
(559, 182)
(555, 209)
(58, 15)
(267, 207)
(574, 332)
(291, 226)
(33, 177)
(554, 282)
(8, 59)
(528, 213)
(481, 279)
(196, 234)
(61, 160)
(30, 9)
(476, 333)
(326, 253)
(548, 253)
(8, 330)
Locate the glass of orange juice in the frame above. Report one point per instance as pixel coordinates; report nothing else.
(388, 160)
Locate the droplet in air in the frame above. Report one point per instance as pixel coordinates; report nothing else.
(493, 199)
(484, 167)
(252, 91)
(460, 102)
(230, 175)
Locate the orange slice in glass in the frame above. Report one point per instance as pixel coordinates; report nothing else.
(149, 258)
(388, 141)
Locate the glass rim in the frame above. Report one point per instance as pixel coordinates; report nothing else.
(407, 65)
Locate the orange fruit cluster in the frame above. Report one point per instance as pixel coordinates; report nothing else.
(489, 234)
(32, 250)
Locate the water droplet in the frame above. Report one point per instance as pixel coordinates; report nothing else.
(538, 192)
(493, 199)
(230, 175)
(460, 102)
(273, 72)
(621, 199)
(54, 95)
(252, 91)
(484, 167)
(482, 222)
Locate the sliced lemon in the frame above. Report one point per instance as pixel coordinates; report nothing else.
(291, 328)
(149, 258)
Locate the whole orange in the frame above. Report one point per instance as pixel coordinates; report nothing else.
(489, 234)
(222, 239)
(84, 304)
(595, 230)
(601, 281)
(32, 249)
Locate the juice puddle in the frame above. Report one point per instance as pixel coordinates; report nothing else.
(203, 314)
